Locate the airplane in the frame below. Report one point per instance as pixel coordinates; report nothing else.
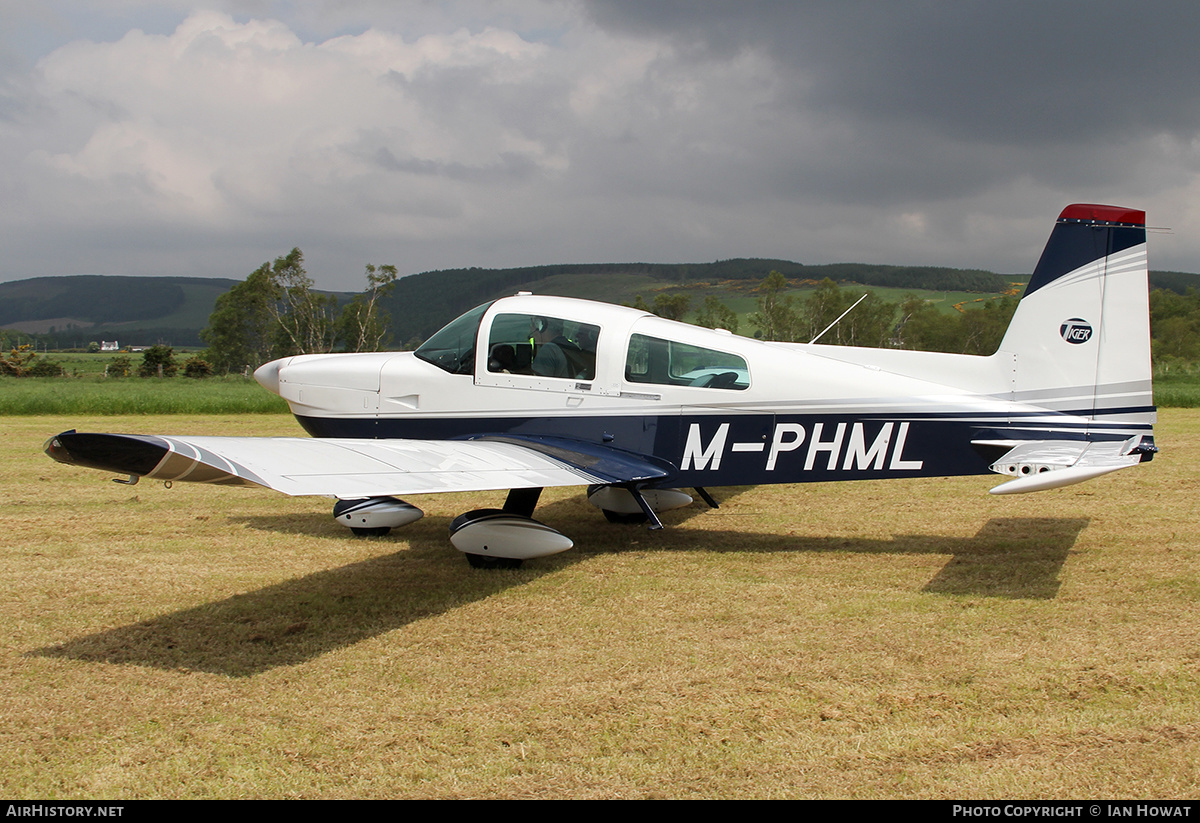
(528, 392)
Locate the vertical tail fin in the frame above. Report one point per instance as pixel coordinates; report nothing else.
(1080, 338)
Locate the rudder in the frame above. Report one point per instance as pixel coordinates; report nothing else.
(1080, 338)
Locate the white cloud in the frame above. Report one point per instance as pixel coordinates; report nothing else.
(521, 133)
(479, 136)
(224, 123)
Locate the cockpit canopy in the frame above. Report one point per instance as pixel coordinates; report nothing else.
(623, 346)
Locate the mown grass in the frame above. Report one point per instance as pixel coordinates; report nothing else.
(874, 640)
(133, 395)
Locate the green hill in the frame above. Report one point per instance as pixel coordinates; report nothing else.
(139, 310)
(69, 311)
(422, 303)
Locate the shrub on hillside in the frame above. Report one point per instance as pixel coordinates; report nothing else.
(197, 368)
(44, 368)
(118, 367)
(158, 361)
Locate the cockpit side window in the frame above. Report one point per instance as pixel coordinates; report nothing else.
(544, 346)
(453, 347)
(668, 363)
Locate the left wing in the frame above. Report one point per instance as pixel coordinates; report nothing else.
(352, 469)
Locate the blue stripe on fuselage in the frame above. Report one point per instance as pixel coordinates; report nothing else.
(746, 449)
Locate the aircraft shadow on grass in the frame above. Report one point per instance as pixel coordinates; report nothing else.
(301, 619)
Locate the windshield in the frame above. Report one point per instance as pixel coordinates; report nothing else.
(453, 348)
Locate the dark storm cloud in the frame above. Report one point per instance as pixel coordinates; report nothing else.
(916, 100)
(1024, 72)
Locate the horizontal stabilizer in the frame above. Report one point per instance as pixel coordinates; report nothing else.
(1052, 464)
(1054, 479)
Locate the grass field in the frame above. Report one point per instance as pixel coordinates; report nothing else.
(133, 395)
(1179, 388)
(869, 640)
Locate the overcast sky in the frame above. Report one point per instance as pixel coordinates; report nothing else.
(175, 138)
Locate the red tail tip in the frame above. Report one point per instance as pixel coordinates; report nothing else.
(1104, 214)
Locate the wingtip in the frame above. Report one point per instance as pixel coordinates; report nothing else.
(55, 449)
(130, 454)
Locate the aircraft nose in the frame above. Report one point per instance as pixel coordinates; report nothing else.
(267, 375)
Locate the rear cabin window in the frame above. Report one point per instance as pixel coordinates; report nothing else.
(668, 363)
(544, 346)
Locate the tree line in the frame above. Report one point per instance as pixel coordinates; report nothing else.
(430, 299)
(1175, 327)
(276, 312)
(849, 317)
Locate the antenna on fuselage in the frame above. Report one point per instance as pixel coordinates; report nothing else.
(839, 319)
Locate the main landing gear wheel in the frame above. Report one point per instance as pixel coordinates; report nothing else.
(631, 507)
(623, 519)
(483, 561)
(379, 531)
